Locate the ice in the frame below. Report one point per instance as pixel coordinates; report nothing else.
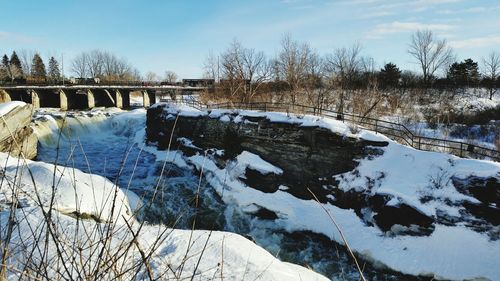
(9, 106)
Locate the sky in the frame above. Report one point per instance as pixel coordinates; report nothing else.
(160, 35)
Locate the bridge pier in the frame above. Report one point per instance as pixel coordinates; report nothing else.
(118, 98)
(4, 96)
(35, 99)
(63, 100)
(90, 99)
(125, 97)
(148, 98)
(87, 97)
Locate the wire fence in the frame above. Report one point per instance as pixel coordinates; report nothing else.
(395, 131)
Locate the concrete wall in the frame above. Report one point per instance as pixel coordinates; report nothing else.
(69, 98)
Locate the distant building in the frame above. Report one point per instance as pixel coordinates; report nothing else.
(84, 81)
(198, 82)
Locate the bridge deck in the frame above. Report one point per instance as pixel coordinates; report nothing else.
(126, 87)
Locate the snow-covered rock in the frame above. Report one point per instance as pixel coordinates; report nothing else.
(396, 176)
(16, 135)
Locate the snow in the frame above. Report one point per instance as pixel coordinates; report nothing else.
(75, 191)
(430, 175)
(254, 162)
(225, 115)
(473, 101)
(449, 252)
(180, 109)
(90, 194)
(9, 106)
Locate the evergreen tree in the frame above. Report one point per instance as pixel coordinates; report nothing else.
(15, 69)
(463, 74)
(38, 67)
(54, 72)
(5, 61)
(15, 62)
(4, 68)
(389, 76)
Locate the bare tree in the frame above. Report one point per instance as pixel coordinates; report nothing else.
(26, 57)
(151, 76)
(243, 70)
(95, 63)
(79, 65)
(314, 85)
(491, 71)
(170, 77)
(344, 65)
(211, 67)
(430, 53)
(292, 63)
(104, 65)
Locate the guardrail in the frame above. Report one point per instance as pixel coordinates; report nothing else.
(395, 131)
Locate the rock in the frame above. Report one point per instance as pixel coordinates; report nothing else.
(305, 154)
(487, 191)
(308, 156)
(16, 134)
(268, 183)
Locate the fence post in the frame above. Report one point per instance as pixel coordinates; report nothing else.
(376, 126)
(461, 150)
(419, 143)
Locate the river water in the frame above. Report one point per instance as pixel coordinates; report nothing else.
(108, 143)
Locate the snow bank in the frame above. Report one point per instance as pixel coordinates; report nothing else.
(180, 109)
(75, 192)
(179, 254)
(473, 102)
(408, 175)
(9, 106)
(448, 253)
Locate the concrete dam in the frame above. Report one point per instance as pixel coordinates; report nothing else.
(87, 97)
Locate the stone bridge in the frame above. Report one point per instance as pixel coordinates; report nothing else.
(89, 96)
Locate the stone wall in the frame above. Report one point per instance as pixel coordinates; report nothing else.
(309, 156)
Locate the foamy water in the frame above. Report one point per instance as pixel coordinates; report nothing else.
(110, 143)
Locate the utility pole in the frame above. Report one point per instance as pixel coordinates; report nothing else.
(62, 67)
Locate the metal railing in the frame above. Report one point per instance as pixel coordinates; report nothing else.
(395, 131)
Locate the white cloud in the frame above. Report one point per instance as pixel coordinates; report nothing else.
(377, 14)
(476, 42)
(402, 27)
(471, 10)
(17, 38)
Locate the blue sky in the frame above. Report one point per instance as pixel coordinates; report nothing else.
(177, 35)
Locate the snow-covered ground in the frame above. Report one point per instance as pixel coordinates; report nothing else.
(474, 100)
(74, 194)
(450, 252)
(467, 103)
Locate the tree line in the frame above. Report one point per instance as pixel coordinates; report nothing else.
(29, 67)
(15, 69)
(300, 72)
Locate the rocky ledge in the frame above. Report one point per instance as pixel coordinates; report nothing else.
(317, 158)
(16, 135)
